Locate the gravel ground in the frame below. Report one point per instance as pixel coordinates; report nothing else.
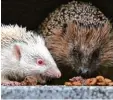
(56, 92)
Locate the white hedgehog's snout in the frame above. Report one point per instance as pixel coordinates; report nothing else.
(53, 73)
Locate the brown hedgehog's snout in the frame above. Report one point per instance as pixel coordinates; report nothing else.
(83, 71)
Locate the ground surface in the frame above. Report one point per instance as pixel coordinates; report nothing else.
(56, 92)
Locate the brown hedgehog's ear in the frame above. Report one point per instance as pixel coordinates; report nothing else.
(70, 28)
(16, 51)
(71, 31)
(57, 31)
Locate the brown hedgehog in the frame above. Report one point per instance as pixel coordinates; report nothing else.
(78, 36)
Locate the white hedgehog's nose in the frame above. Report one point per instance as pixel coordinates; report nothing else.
(53, 72)
(58, 74)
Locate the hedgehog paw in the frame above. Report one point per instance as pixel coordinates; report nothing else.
(11, 83)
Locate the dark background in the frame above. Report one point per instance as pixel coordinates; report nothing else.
(31, 13)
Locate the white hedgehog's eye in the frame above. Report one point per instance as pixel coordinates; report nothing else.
(40, 61)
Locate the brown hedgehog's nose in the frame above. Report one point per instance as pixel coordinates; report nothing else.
(83, 71)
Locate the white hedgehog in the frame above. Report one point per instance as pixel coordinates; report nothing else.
(22, 54)
(78, 36)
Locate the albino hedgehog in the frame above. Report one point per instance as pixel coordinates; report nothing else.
(24, 54)
(78, 36)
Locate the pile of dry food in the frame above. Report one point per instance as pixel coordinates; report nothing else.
(29, 81)
(75, 81)
(97, 81)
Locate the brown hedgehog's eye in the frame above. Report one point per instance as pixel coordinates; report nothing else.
(74, 50)
(95, 54)
(77, 53)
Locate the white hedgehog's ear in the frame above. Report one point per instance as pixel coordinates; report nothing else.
(40, 40)
(17, 51)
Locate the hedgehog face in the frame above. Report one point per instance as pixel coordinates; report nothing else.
(86, 61)
(91, 60)
(80, 47)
